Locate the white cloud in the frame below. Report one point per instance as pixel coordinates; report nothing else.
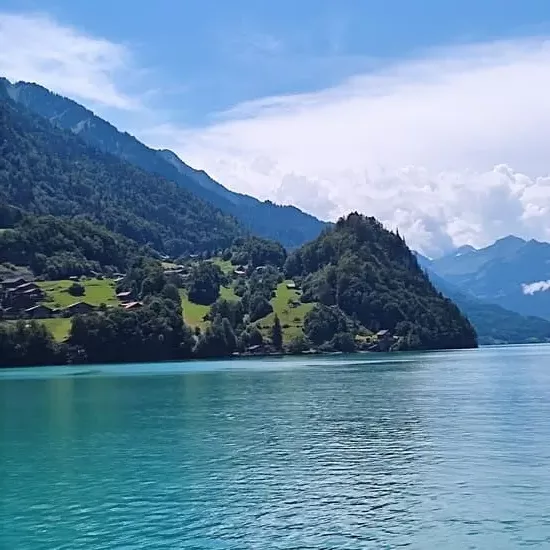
(451, 148)
(35, 48)
(532, 288)
(426, 145)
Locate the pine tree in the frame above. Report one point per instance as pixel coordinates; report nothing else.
(277, 333)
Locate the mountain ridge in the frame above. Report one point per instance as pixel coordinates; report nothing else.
(500, 272)
(493, 323)
(284, 223)
(46, 170)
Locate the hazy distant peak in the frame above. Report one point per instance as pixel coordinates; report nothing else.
(464, 249)
(510, 239)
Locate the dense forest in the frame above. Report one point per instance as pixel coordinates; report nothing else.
(286, 224)
(46, 170)
(364, 273)
(57, 248)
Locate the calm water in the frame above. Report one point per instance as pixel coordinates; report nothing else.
(442, 450)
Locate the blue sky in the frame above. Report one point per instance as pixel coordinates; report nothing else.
(208, 55)
(431, 115)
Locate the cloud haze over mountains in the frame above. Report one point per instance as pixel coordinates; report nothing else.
(451, 147)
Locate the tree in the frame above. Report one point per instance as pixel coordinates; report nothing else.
(170, 292)
(277, 333)
(251, 337)
(344, 341)
(205, 283)
(228, 309)
(76, 289)
(26, 344)
(323, 322)
(218, 340)
(259, 307)
(297, 345)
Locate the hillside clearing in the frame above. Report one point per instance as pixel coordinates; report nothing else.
(225, 265)
(98, 291)
(286, 304)
(193, 314)
(58, 326)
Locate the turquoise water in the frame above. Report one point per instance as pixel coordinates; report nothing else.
(438, 450)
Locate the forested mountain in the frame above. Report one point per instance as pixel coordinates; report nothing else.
(512, 273)
(361, 271)
(48, 170)
(286, 224)
(58, 248)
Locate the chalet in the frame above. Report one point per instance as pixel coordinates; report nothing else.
(261, 268)
(240, 270)
(78, 308)
(13, 283)
(291, 285)
(33, 293)
(119, 279)
(131, 306)
(124, 296)
(74, 278)
(23, 296)
(39, 312)
(24, 287)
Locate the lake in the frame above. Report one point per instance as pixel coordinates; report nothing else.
(434, 450)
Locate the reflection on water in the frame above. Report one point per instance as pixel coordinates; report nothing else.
(442, 450)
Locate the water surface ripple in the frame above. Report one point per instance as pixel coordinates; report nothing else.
(438, 450)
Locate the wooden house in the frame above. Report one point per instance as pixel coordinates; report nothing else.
(39, 312)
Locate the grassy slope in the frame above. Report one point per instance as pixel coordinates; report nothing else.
(291, 316)
(193, 314)
(97, 292)
(103, 291)
(225, 265)
(58, 326)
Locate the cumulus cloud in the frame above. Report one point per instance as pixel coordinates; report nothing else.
(533, 288)
(452, 149)
(35, 48)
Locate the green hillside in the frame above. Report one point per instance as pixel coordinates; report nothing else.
(46, 170)
(365, 276)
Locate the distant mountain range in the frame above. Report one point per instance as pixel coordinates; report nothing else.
(286, 224)
(493, 323)
(503, 288)
(512, 272)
